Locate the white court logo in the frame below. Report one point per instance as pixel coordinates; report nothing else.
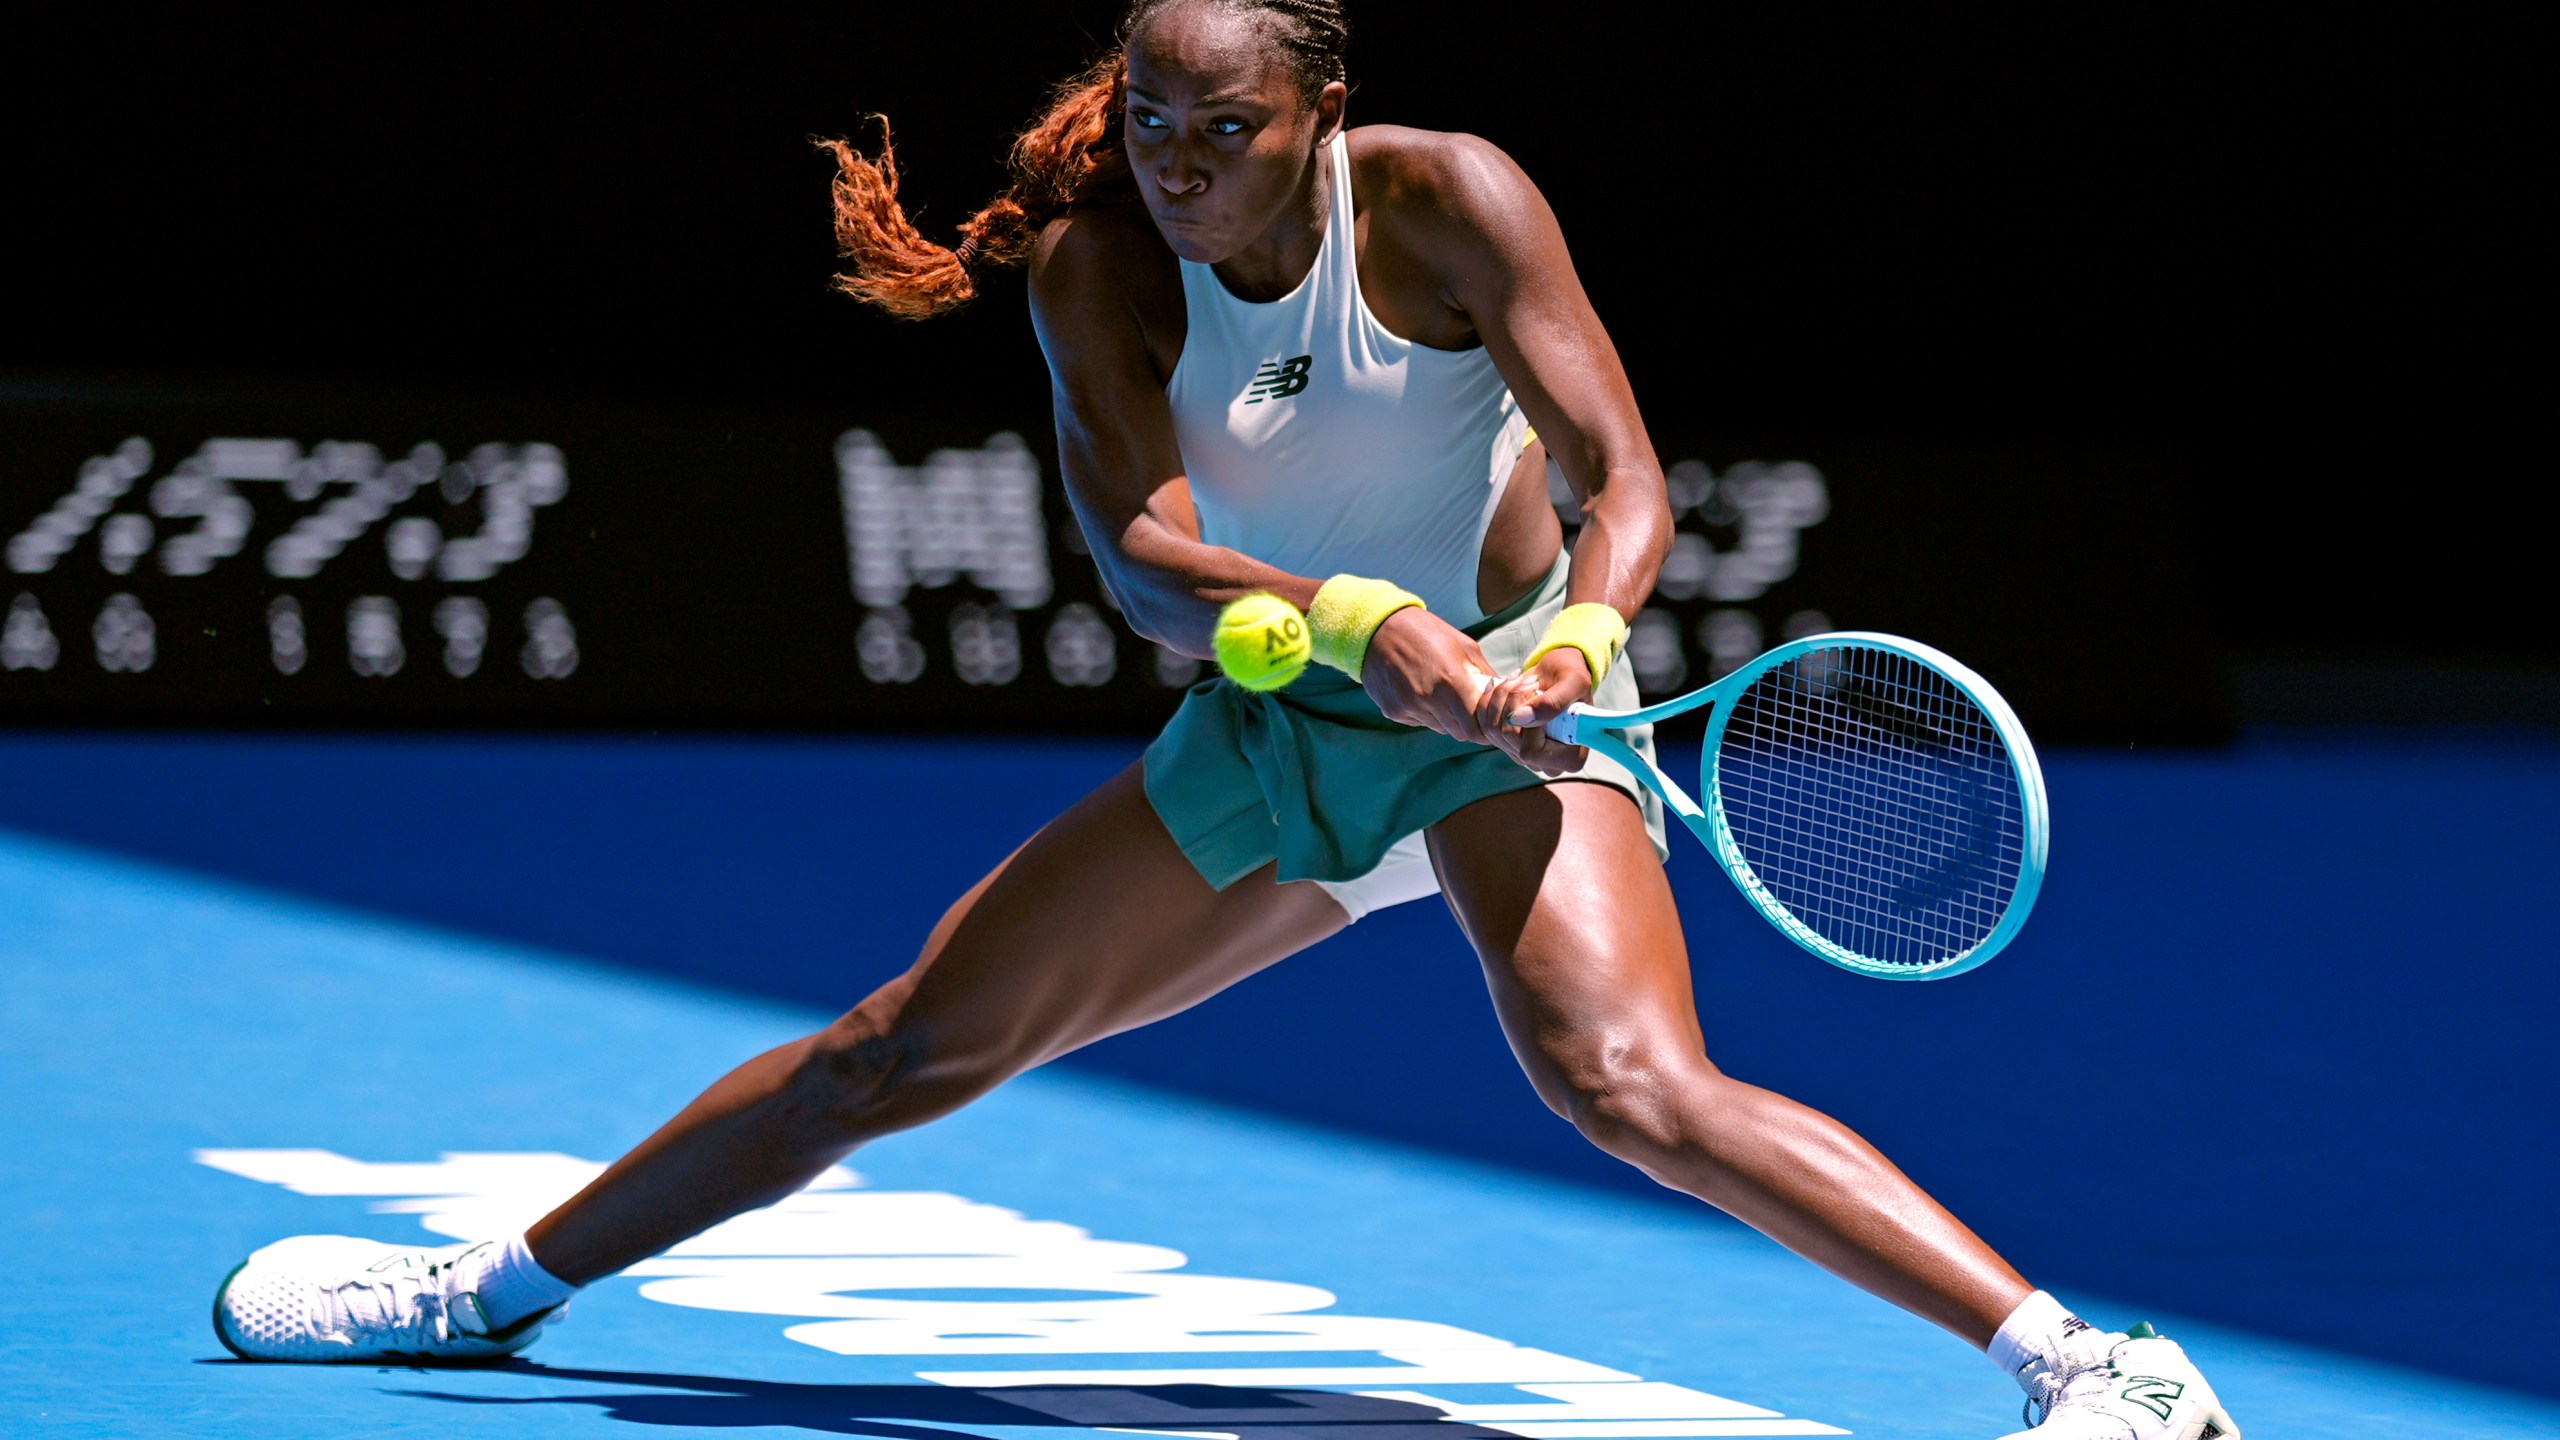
(845, 1261)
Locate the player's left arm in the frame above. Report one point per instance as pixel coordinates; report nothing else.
(1503, 264)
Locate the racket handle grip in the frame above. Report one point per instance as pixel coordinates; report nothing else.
(1561, 729)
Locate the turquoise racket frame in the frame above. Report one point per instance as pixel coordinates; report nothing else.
(1583, 725)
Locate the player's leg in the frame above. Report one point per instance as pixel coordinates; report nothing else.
(1559, 891)
(1096, 925)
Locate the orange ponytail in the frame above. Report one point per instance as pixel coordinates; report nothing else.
(1069, 155)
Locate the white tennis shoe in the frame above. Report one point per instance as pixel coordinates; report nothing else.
(2134, 1386)
(323, 1298)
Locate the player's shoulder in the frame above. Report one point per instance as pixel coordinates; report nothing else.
(1100, 252)
(1425, 173)
(1105, 289)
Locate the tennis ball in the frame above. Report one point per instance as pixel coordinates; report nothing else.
(1262, 642)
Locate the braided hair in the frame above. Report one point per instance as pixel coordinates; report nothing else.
(1071, 154)
(1312, 31)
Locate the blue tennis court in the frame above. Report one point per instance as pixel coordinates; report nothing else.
(197, 1066)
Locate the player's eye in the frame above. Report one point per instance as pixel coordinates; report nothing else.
(1226, 127)
(1146, 119)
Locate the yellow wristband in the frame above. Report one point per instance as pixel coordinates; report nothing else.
(1348, 610)
(1598, 631)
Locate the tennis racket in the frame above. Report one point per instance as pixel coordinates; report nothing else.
(1875, 800)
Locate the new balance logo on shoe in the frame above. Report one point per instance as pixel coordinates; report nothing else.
(1278, 379)
(2153, 1393)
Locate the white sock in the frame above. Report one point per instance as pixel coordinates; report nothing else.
(2034, 1332)
(512, 1284)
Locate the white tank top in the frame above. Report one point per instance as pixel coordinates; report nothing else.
(1318, 441)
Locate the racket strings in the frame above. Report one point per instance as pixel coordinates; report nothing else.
(1874, 801)
(1859, 872)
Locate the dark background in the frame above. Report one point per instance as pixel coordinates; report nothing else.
(2284, 262)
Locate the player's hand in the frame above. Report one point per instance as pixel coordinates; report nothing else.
(1518, 708)
(1421, 670)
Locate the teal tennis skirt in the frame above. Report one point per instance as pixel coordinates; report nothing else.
(1313, 777)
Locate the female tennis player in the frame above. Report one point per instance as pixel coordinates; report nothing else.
(1294, 359)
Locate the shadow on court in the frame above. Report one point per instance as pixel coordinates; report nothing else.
(916, 1412)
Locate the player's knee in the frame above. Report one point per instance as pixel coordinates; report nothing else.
(1637, 1100)
(858, 1080)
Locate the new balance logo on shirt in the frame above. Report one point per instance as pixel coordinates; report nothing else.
(1278, 379)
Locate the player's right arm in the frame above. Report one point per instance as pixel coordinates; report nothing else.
(1098, 299)
(1091, 289)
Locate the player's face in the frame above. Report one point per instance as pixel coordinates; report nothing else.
(1219, 134)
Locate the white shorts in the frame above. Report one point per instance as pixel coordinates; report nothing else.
(1405, 874)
